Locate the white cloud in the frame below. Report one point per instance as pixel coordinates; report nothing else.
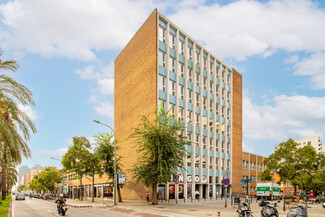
(33, 115)
(247, 148)
(105, 109)
(284, 117)
(76, 29)
(59, 152)
(314, 68)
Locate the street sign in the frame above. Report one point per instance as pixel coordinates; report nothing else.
(226, 181)
(243, 181)
(121, 178)
(176, 181)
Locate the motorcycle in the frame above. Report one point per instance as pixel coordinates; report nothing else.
(269, 209)
(244, 210)
(300, 211)
(323, 205)
(61, 209)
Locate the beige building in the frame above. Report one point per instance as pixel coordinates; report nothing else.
(313, 141)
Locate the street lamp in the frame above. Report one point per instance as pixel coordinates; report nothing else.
(53, 158)
(115, 184)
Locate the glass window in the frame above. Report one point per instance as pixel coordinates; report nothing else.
(211, 67)
(162, 58)
(197, 98)
(204, 103)
(211, 105)
(172, 109)
(181, 114)
(197, 120)
(197, 58)
(189, 136)
(162, 34)
(171, 64)
(211, 87)
(161, 104)
(172, 90)
(189, 95)
(172, 40)
(189, 117)
(181, 69)
(190, 52)
(204, 83)
(205, 63)
(217, 70)
(162, 83)
(190, 74)
(181, 47)
(197, 79)
(181, 92)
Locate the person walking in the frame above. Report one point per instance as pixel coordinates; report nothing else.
(148, 197)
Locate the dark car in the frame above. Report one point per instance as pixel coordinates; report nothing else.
(37, 195)
(20, 196)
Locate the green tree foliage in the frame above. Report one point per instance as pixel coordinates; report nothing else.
(105, 152)
(298, 165)
(161, 148)
(35, 185)
(49, 178)
(75, 159)
(20, 187)
(11, 118)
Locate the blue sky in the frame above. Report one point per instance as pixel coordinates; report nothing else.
(66, 51)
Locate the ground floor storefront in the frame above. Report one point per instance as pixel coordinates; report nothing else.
(100, 190)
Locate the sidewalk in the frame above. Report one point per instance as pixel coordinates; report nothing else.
(195, 208)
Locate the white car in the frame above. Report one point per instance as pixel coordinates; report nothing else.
(20, 196)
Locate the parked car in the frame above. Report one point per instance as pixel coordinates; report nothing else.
(48, 197)
(20, 196)
(37, 195)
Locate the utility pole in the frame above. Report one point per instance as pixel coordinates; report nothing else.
(226, 187)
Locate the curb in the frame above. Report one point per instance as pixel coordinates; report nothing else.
(78, 206)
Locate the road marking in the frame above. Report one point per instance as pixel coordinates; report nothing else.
(49, 210)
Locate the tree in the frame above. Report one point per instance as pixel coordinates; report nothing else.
(298, 165)
(11, 116)
(35, 185)
(93, 167)
(75, 159)
(20, 187)
(105, 152)
(49, 177)
(161, 147)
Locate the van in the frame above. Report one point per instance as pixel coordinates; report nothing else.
(263, 190)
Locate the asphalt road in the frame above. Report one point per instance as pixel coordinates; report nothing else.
(39, 208)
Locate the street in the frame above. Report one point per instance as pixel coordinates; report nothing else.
(39, 208)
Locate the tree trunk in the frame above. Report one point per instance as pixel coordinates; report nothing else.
(4, 173)
(154, 194)
(295, 187)
(80, 195)
(92, 187)
(119, 193)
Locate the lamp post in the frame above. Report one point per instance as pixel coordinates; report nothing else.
(53, 158)
(115, 181)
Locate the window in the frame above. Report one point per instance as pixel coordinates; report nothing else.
(162, 58)
(223, 147)
(205, 63)
(210, 164)
(197, 58)
(172, 90)
(217, 70)
(217, 166)
(205, 123)
(197, 120)
(197, 160)
(204, 83)
(181, 47)
(181, 69)
(162, 83)
(197, 99)
(204, 141)
(172, 40)
(189, 160)
(211, 87)
(197, 79)
(190, 52)
(162, 104)
(217, 89)
(217, 146)
(228, 78)
(172, 109)
(171, 64)
(217, 109)
(210, 143)
(162, 34)
(189, 136)
(211, 68)
(181, 114)
(204, 161)
(190, 74)
(228, 148)
(189, 95)
(204, 103)
(181, 92)
(223, 75)
(211, 105)
(189, 117)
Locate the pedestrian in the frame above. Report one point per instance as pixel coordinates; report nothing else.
(197, 194)
(148, 195)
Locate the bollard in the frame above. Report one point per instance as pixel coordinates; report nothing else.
(231, 201)
(219, 214)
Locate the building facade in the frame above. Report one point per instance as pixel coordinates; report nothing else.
(163, 66)
(23, 170)
(313, 141)
(252, 168)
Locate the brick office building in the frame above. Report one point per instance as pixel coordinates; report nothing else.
(162, 65)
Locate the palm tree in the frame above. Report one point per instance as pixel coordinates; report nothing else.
(11, 117)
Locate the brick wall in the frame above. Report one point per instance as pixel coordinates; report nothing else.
(237, 132)
(135, 93)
